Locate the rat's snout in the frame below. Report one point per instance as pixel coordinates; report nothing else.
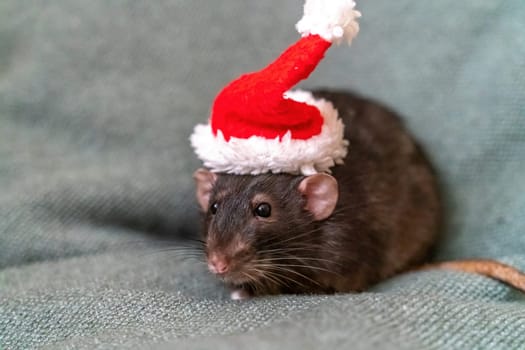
(229, 259)
(218, 264)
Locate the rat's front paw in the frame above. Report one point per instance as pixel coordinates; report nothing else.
(239, 294)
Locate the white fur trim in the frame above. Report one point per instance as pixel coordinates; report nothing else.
(257, 155)
(333, 20)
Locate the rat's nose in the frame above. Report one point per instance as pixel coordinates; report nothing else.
(217, 264)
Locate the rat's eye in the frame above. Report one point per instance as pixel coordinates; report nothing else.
(263, 210)
(214, 207)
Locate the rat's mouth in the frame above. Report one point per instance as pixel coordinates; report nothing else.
(238, 278)
(235, 281)
(241, 276)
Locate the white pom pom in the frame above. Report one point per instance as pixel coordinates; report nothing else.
(333, 20)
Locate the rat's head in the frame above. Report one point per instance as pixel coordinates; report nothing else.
(259, 228)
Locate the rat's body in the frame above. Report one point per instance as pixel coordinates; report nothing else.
(375, 216)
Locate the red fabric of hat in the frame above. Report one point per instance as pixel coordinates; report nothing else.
(254, 104)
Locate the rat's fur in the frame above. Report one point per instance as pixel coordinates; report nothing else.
(386, 219)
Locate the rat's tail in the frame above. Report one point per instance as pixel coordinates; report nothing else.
(486, 267)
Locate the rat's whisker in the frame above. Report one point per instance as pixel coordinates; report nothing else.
(293, 257)
(312, 267)
(141, 243)
(278, 278)
(265, 275)
(286, 250)
(199, 241)
(252, 281)
(285, 279)
(296, 237)
(180, 252)
(304, 260)
(273, 267)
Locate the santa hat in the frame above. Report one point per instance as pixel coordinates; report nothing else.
(257, 125)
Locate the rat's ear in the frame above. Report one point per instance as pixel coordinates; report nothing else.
(321, 192)
(204, 181)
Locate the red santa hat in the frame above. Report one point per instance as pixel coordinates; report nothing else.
(258, 125)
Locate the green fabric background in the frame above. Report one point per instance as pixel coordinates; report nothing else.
(97, 100)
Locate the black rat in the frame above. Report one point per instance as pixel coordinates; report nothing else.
(374, 216)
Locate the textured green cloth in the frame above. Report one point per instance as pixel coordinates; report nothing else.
(97, 100)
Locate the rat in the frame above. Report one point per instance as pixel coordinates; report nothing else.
(375, 216)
